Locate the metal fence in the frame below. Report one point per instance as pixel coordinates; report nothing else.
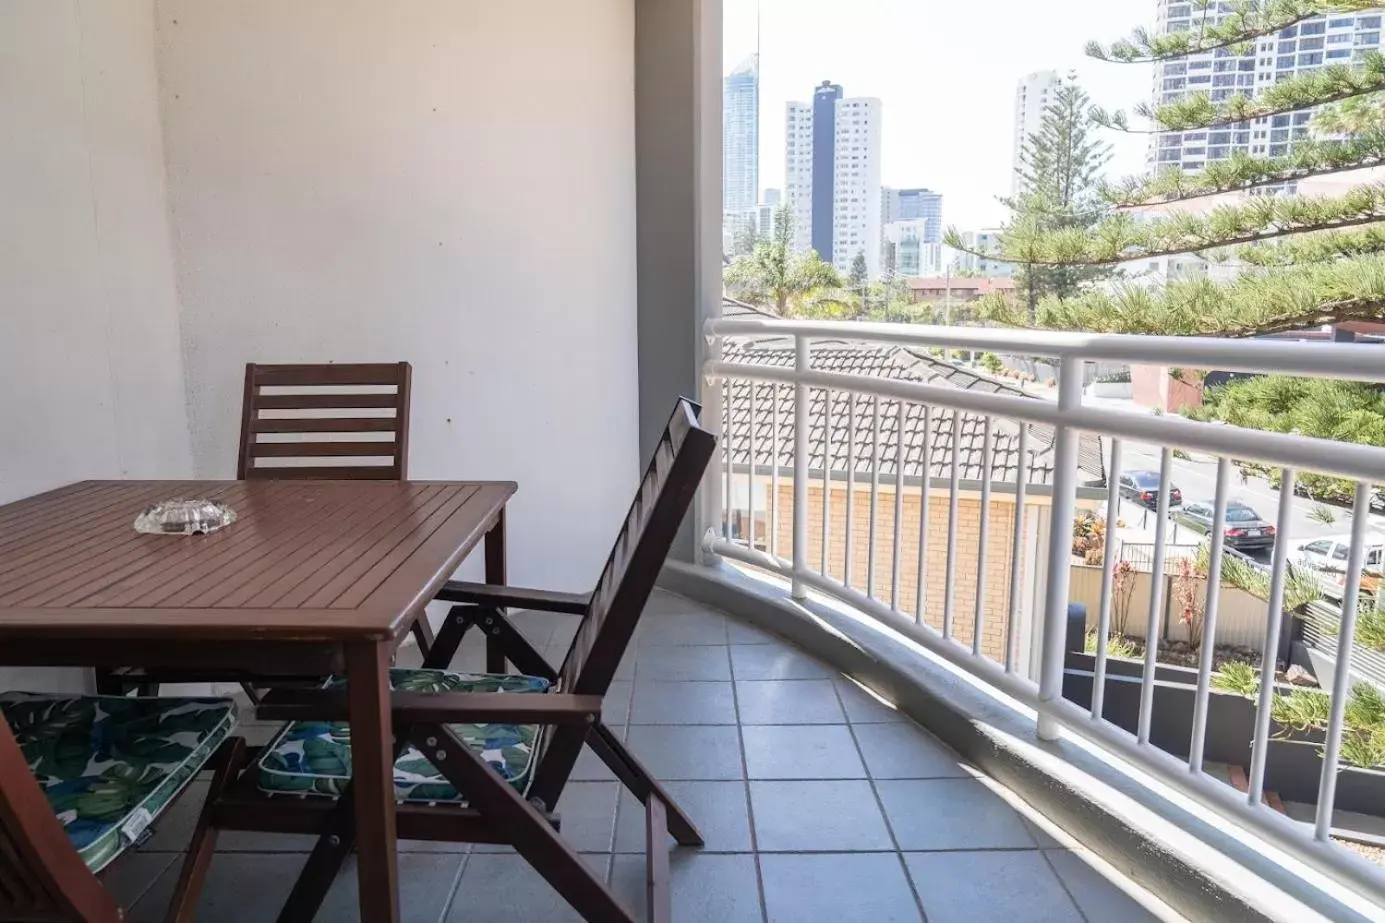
(862, 515)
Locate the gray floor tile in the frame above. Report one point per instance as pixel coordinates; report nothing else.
(683, 703)
(588, 814)
(718, 809)
(792, 701)
(662, 602)
(615, 709)
(704, 888)
(133, 874)
(863, 707)
(930, 814)
(772, 661)
(239, 887)
(838, 815)
(740, 633)
(425, 887)
(687, 751)
(691, 627)
(503, 886)
(905, 751)
(590, 768)
(964, 887)
(836, 888)
(1097, 898)
(801, 752)
(682, 664)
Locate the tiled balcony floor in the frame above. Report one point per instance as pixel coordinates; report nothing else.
(818, 802)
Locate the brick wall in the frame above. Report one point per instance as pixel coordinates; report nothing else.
(995, 593)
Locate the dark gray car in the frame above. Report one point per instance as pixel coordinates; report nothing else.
(1244, 528)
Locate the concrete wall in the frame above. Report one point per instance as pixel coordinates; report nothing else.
(91, 379)
(448, 182)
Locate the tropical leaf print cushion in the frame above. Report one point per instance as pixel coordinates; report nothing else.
(108, 765)
(314, 757)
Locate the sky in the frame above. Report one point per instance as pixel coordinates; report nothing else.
(946, 73)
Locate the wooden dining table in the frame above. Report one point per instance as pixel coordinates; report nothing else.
(313, 578)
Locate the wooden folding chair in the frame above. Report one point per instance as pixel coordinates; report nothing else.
(66, 812)
(449, 789)
(292, 419)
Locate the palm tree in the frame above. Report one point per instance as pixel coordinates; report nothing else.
(773, 275)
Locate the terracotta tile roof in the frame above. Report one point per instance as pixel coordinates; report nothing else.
(896, 363)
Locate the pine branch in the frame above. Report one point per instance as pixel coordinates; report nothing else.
(1120, 238)
(1241, 171)
(1312, 248)
(1276, 301)
(1330, 84)
(1237, 29)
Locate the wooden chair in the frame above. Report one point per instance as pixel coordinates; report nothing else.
(438, 757)
(44, 876)
(297, 406)
(310, 401)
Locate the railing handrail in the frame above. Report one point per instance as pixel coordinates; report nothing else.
(1344, 459)
(1364, 362)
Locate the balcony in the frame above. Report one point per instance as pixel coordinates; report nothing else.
(820, 802)
(865, 686)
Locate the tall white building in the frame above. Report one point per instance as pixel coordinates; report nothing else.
(1032, 96)
(1306, 46)
(740, 144)
(983, 241)
(832, 177)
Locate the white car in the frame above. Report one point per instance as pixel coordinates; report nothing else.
(1328, 556)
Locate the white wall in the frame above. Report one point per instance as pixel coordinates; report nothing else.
(450, 182)
(91, 381)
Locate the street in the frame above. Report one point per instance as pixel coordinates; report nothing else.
(1197, 478)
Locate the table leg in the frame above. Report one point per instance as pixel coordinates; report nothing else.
(495, 575)
(372, 744)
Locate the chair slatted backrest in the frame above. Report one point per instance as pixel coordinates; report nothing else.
(42, 878)
(348, 422)
(648, 531)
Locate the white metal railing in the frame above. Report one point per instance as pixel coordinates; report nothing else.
(1034, 606)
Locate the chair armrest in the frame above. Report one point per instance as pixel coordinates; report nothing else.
(509, 597)
(437, 707)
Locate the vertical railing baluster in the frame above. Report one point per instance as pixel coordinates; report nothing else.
(730, 463)
(772, 508)
(983, 538)
(1341, 676)
(1274, 624)
(1158, 582)
(950, 581)
(850, 541)
(925, 482)
(1055, 617)
(1209, 616)
(826, 482)
(1108, 574)
(875, 459)
(898, 504)
(1017, 547)
(750, 468)
(798, 589)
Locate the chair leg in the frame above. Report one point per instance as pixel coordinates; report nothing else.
(517, 648)
(631, 772)
(658, 898)
(422, 630)
(445, 643)
(199, 858)
(324, 863)
(531, 835)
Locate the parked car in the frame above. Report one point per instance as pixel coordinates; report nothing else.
(1143, 488)
(1377, 500)
(1245, 528)
(1328, 557)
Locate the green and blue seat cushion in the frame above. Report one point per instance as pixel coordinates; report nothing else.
(314, 757)
(109, 765)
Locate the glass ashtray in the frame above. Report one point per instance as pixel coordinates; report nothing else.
(184, 517)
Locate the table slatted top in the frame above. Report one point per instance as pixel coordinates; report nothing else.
(303, 559)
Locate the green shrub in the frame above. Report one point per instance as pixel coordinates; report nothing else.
(991, 363)
(1238, 677)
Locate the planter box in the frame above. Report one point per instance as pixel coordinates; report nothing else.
(1112, 389)
(1293, 769)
